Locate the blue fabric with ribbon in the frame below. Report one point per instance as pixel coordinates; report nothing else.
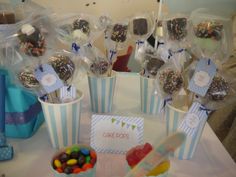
(23, 112)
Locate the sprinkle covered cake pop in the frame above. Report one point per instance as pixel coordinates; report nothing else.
(63, 66)
(27, 78)
(32, 41)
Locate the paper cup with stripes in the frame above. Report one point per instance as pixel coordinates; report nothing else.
(63, 121)
(174, 118)
(150, 103)
(101, 91)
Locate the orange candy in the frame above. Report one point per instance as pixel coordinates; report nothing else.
(59, 170)
(93, 154)
(77, 170)
(87, 166)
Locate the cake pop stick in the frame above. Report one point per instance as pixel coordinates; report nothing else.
(111, 57)
(157, 155)
(156, 26)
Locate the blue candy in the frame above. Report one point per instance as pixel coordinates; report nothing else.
(84, 151)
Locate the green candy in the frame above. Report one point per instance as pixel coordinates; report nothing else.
(88, 159)
(75, 149)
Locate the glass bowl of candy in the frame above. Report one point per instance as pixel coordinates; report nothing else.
(75, 161)
(137, 153)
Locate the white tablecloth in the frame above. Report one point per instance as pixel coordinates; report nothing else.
(32, 156)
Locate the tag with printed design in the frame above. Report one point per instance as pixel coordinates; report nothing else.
(67, 93)
(48, 78)
(115, 134)
(193, 118)
(203, 76)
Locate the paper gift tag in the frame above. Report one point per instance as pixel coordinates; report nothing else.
(115, 134)
(202, 78)
(192, 119)
(67, 93)
(48, 78)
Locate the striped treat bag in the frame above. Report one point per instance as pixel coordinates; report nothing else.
(102, 92)
(63, 121)
(150, 102)
(191, 123)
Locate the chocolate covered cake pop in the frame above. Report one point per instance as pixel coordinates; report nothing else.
(83, 25)
(218, 89)
(140, 26)
(177, 28)
(27, 78)
(152, 65)
(209, 29)
(99, 67)
(171, 81)
(119, 33)
(32, 41)
(63, 66)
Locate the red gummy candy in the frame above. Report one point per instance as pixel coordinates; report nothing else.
(87, 166)
(132, 159)
(93, 161)
(93, 154)
(147, 148)
(136, 154)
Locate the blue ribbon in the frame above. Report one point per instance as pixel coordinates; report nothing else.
(166, 101)
(160, 43)
(139, 42)
(171, 53)
(112, 52)
(203, 108)
(75, 47)
(209, 61)
(89, 45)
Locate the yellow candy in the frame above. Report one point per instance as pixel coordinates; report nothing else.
(161, 168)
(57, 163)
(71, 162)
(68, 151)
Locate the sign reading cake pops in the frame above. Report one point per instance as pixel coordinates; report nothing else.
(115, 134)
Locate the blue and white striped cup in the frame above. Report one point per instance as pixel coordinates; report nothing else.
(101, 91)
(174, 117)
(63, 121)
(150, 103)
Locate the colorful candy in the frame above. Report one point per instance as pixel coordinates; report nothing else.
(74, 160)
(136, 154)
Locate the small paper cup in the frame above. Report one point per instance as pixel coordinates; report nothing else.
(89, 173)
(101, 91)
(63, 121)
(150, 103)
(174, 118)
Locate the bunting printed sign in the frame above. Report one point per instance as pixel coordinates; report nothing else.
(115, 134)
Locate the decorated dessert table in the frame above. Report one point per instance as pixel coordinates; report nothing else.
(32, 156)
